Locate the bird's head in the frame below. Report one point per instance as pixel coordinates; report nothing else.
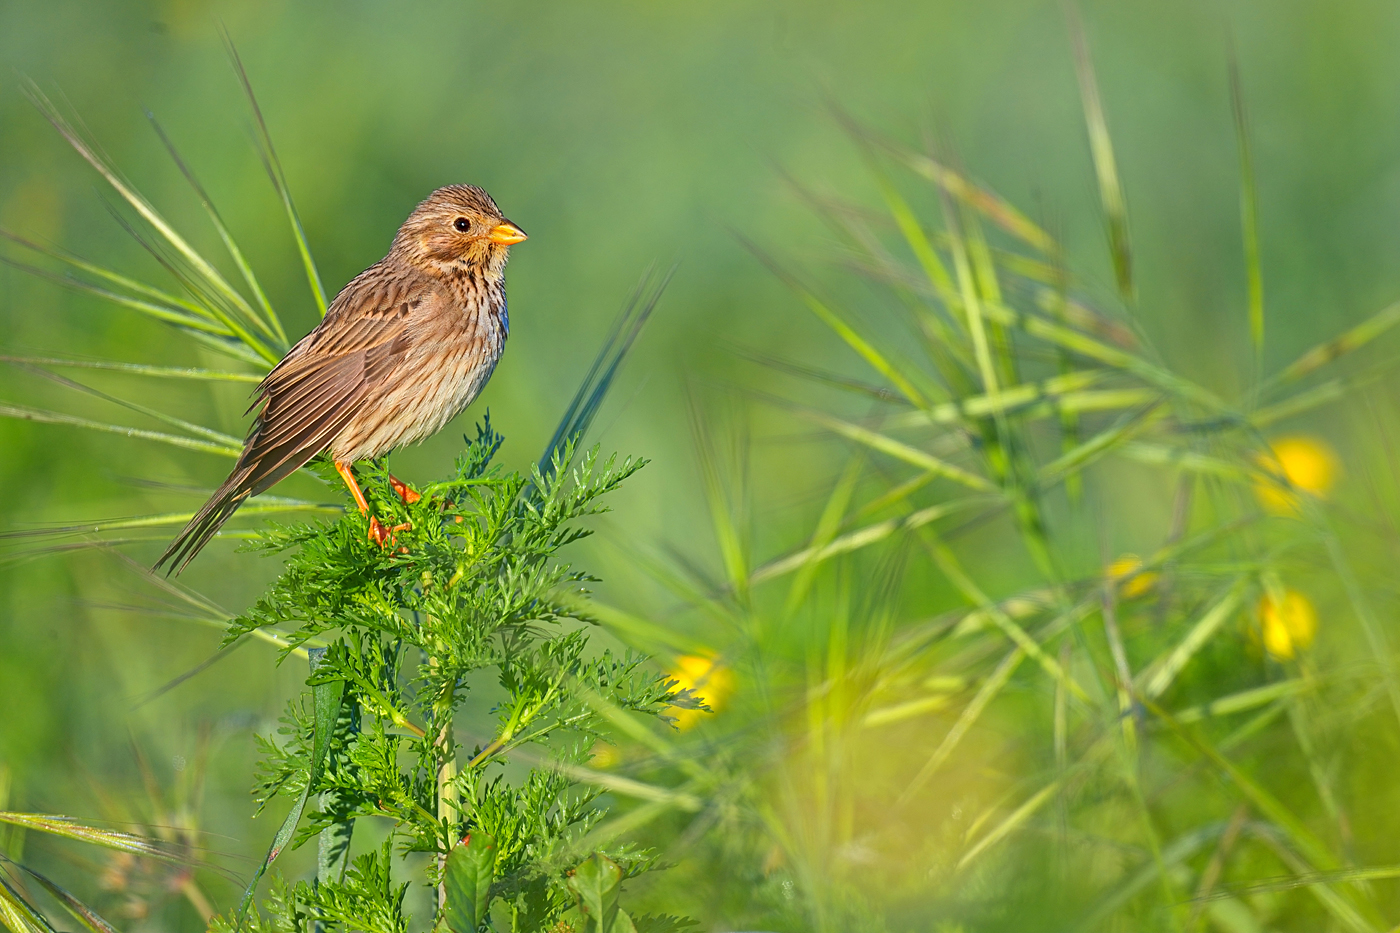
(457, 229)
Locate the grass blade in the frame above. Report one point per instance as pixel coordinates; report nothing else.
(595, 385)
(1007, 826)
(269, 323)
(67, 828)
(1348, 342)
(279, 181)
(115, 278)
(1158, 675)
(41, 416)
(188, 427)
(204, 270)
(843, 330)
(81, 912)
(1249, 213)
(1105, 165)
(989, 690)
(899, 450)
(138, 369)
(863, 537)
(986, 203)
(18, 915)
(167, 314)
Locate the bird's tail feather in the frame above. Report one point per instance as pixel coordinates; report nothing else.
(207, 521)
(248, 479)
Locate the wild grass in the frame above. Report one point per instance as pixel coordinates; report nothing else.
(955, 705)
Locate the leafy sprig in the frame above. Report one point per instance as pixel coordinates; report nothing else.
(471, 590)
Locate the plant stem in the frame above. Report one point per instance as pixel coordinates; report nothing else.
(446, 749)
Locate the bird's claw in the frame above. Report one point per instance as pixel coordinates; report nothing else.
(406, 493)
(383, 536)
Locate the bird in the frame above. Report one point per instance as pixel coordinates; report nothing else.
(405, 347)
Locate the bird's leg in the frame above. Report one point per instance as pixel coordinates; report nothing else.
(377, 532)
(407, 494)
(343, 468)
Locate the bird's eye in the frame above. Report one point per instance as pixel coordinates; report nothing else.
(462, 224)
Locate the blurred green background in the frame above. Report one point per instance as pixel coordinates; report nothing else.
(618, 135)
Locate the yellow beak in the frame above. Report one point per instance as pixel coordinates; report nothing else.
(506, 233)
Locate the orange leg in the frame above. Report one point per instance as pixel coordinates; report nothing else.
(343, 468)
(377, 532)
(408, 495)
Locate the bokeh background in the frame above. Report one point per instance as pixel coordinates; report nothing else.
(618, 135)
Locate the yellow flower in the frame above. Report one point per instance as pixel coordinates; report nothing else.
(1287, 627)
(1128, 566)
(710, 681)
(1308, 464)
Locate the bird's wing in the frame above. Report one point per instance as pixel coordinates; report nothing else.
(314, 392)
(311, 395)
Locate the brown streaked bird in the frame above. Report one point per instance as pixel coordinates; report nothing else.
(402, 350)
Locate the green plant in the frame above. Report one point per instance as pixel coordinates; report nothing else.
(470, 598)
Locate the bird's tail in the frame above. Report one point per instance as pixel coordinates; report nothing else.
(208, 520)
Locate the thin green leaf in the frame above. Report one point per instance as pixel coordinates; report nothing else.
(1249, 211)
(279, 181)
(1105, 165)
(828, 524)
(1266, 803)
(326, 699)
(1112, 438)
(263, 505)
(1348, 342)
(89, 918)
(18, 915)
(637, 790)
(188, 427)
(864, 537)
(726, 510)
(1009, 825)
(1159, 675)
(917, 240)
(269, 323)
(1180, 849)
(206, 272)
(137, 369)
(115, 278)
(989, 690)
(168, 314)
(899, 450)
(1244, 700)
(67, 828)
(843, 330)
(51, 417)
(988, 203)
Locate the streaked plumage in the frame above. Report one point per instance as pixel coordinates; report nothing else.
(404, 348)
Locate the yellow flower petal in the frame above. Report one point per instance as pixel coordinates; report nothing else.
(1128, 566)
(1289, 626)
(710, 681)
(1307, 464)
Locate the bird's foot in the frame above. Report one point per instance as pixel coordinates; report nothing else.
(382, 535)
(406, 493)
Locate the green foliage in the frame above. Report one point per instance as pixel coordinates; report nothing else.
(961, 701)
(470, 591)
(955, 709)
